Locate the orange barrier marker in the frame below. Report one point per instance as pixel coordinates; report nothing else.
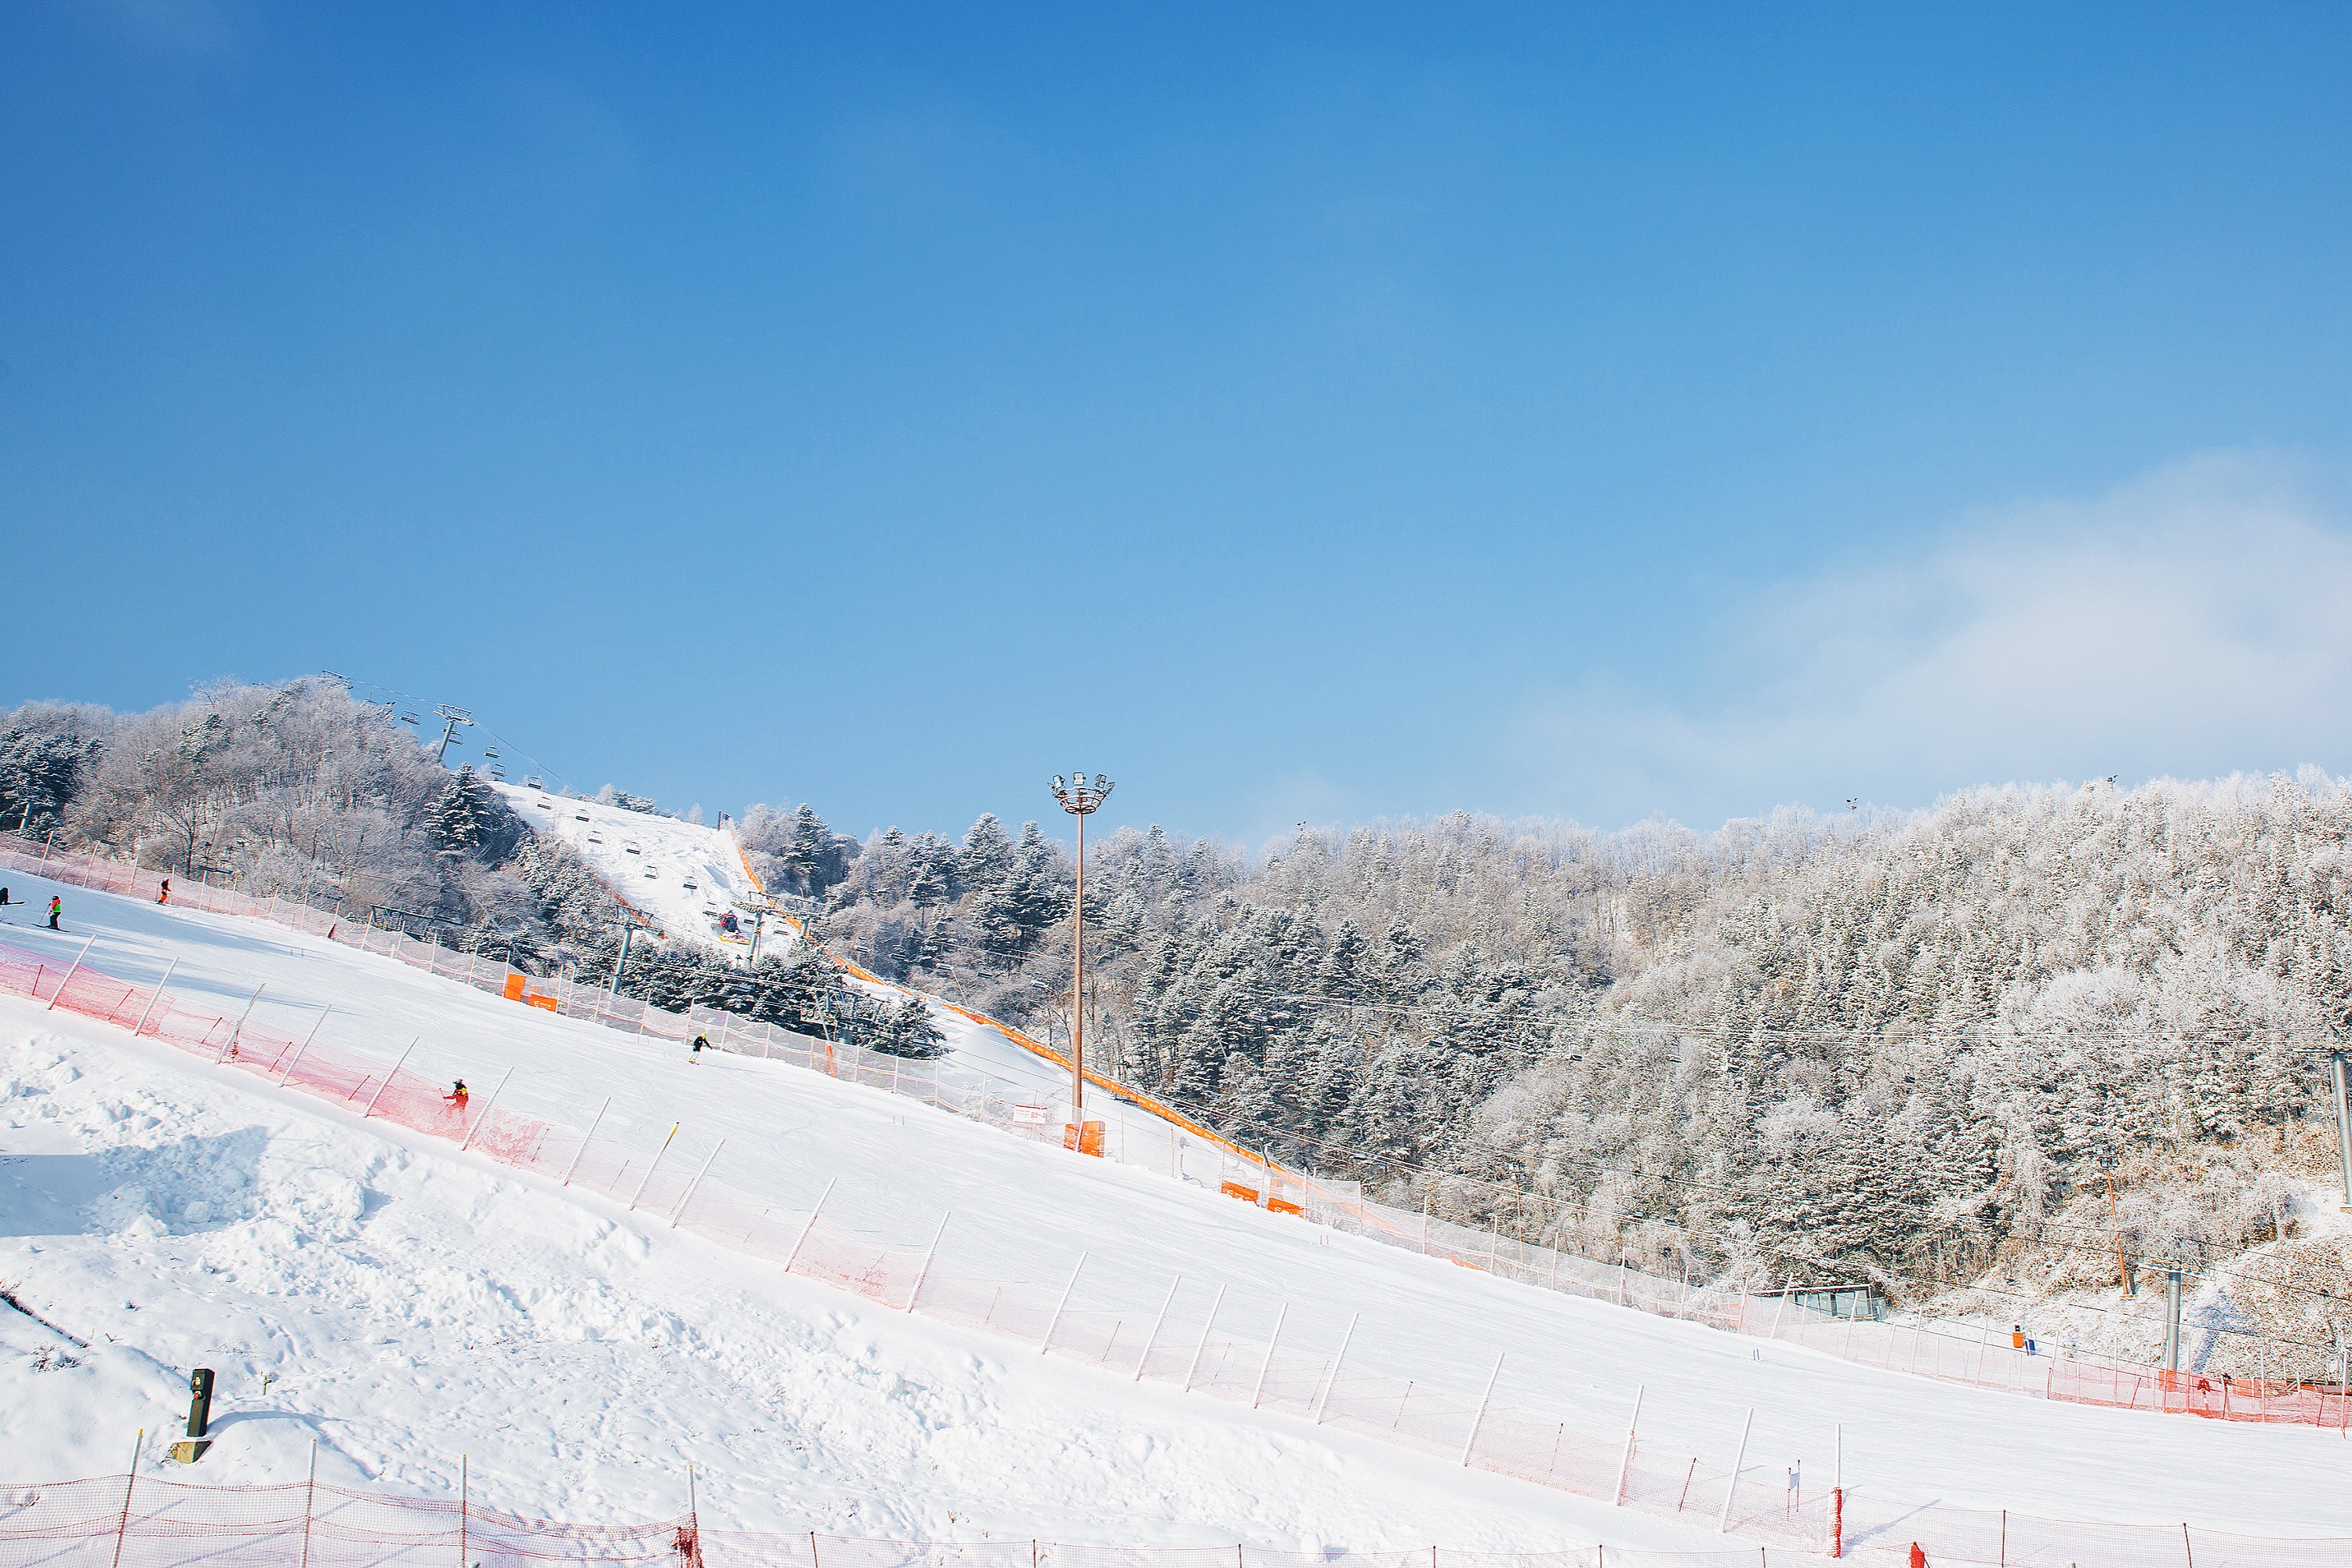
(514, 987)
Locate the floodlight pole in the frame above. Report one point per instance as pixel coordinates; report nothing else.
(2342, 1125)
(1081, 799)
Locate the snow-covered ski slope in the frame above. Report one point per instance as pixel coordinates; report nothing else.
(417, 1304)
(683, 876)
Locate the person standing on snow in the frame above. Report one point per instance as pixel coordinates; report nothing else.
(57, 908)
(165, 895)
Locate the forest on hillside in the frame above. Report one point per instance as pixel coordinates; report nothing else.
(1898, 1047)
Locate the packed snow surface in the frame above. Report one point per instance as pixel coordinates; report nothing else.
(410, 1304)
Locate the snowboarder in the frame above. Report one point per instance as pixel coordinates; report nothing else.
(456, 1095)
(57, 908)
(164, 897)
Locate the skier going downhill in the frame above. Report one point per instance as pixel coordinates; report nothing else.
(457, 1094)
(57, 908)
(701, 1044)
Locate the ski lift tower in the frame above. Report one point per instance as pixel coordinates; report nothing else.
(452, 717)
(759, 909)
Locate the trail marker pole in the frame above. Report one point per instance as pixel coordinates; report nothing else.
(387, 1080)
(1332, 1381)
(487, 1107)
(1056, 1321)
(1267, 1365)
(1625, 1464)
(583, 1151)
(1480, 1419)
(1194, 1365)
(60, 992)
(647, 1179)
(1837, 1497)
(156, 997)
(794, 1255)
(1153, 1337)
(928, 1253)
(1731, 1487)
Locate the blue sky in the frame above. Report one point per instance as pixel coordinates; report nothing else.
(1298, 412)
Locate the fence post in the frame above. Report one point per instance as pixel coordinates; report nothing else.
(584, 1141)
(60, 992)
(647, 1180)
(238, 1033)
(1731, 1487)
(1480, 1419)
(1161, 1317)
(679, 1213)
(123, 1530)
(1055, 1322)
(1332, 1381)
(387, 1080)
(486, 1106)
(1194, 1365)
(1625, 1464)
(1267, 1365)
(315, 1025)
(794, 1255)
(309, 1491)
(928, 1253)
(158, 996)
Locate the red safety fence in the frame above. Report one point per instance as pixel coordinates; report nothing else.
(154, 1523)
(147, 1523)
(1183, 1349)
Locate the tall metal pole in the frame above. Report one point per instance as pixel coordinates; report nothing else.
(2343, 1128)
(1081, 799)
(2172, 1317)
(1078, 995)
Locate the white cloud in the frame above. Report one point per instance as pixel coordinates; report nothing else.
(2197, 621)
